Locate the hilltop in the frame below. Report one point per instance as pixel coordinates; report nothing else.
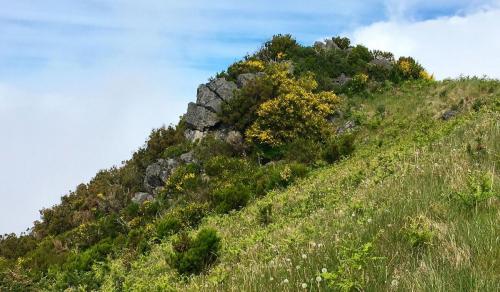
(323, 167)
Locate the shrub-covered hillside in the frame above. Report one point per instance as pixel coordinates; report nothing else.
(325, 167)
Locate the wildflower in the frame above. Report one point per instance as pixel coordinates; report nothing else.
(318, 279)
(271, 279)
(394, 283)
(285, 281)
(297, 267)
(288, 260)
(304, 285)
(320, 245)
(353, 214)
(313, 244)
(369, 220)
(324, 270)
(304, 256)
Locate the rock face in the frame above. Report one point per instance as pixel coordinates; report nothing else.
(245, 78)
(142, 197)
(209, 99)
(382, 62)
(342, 80)
(158, 173)
(200, 118)
(326, 45)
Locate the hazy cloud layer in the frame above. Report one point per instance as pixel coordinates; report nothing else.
(83, 82)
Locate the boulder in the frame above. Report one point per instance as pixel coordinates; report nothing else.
(341, 80)
(234, 138)
(194, 135)
(199, 117)
(222, 88)
(187, 157)
(331, 45)
(382, 62)
(208, 99)
(158, 173)
(245, 78)
(449, 114)
(348, 126)
(142, 197)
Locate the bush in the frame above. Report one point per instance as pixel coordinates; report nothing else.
(418, 231)
(265, 214)
(185, 178)
(303, 150)
(168, 226)
(232, 197)
(176, 150)
(479, 189)
(295, 113)
(279, 47)
(193, 256)
(210, 146)
(338, 147)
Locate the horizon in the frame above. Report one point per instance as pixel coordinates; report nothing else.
(82, 85)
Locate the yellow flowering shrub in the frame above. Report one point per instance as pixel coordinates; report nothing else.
(295, 112)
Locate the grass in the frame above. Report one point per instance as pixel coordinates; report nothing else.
(385, 219)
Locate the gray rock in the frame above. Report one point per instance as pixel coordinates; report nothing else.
(348, 126)
(142, 197)
(234, 138)
(194, 135)
(222, 88)
(449, 114)
(342, 80)
(187, 157)
(208, 98)
(158, 173)
(331, 45)
(199, 117)
(245, 78)
(382, 62)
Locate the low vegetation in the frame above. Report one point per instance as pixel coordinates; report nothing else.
(353, 185)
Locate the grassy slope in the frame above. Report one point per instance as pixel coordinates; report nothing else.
(408, 165)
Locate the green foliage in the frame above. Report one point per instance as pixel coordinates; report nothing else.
(303, 150)
(479, 189)
(418, 231)
(265, 214)
(167, 226)
(295, 112)
(279, 47)
(184, 179)
(211, 146)
(193, 256)
(176, 150)
(349, 274)
(230, 197)
(338, 147)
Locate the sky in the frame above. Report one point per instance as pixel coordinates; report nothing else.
(83, 82)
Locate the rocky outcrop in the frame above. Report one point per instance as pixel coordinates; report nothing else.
(158, 173)
(245, 78)
(342, 80)
(199, 117)
(202, 115)
(326, 45)
(382, 62)
(141, 197)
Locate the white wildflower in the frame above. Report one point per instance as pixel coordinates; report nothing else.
(369, 220)
(304, 256)
(297, 267)
(394, 283)
(324, 270)
(304, 285)
(285, 281)
(318, 279)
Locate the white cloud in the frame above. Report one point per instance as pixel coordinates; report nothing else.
(447, 47)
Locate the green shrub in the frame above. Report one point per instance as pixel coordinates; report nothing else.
(339, 147)
(231, 197)
(479, 189)
(265, 214)
(303, 151)
(176, 150)
(279, 47)
(168, 226)
(132, 210)
(193, 256)
(418, 231)
(185, 179)
(210, 146)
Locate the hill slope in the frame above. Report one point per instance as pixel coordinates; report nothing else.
(329, 167)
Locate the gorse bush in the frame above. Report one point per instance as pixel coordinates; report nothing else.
(193, 256)
(295, 112)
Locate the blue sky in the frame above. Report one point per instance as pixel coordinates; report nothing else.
(83, 82)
